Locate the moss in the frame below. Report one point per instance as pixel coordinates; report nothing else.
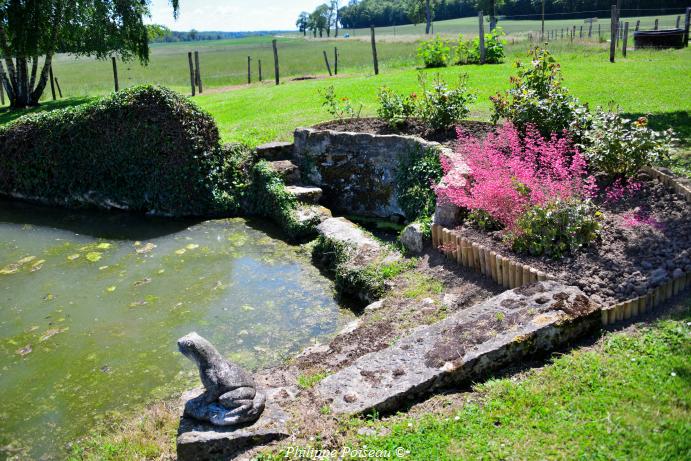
(268, 197)
(367, 282)
(310, 380)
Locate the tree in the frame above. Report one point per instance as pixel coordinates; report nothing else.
(31, 29)
(334, 9)
(303, 22)
(419, 10)
(490, 7)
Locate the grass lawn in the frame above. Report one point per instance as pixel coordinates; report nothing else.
(224, 62)
(645, 82)
(627, 397)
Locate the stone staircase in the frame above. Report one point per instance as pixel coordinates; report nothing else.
(279, 156)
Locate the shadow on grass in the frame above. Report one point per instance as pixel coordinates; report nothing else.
(8, 115)
(679, 121)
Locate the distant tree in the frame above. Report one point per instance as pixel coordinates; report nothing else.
(334, 6)
(157, 32)
(489, 8)
(421, 10)
(193, 34)
(31, 29)
(324, 18)
(303, 22)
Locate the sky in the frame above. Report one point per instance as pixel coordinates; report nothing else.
(232, 15)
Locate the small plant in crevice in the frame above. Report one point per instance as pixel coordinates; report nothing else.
(416, 175)
(340, 108)
(434, 52)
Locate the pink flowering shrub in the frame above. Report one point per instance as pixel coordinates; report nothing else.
(510, 174)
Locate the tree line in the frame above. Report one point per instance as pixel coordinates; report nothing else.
(384, 13)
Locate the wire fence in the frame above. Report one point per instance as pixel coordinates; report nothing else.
(221, 65)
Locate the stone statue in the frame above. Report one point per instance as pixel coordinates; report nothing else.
(231, 397)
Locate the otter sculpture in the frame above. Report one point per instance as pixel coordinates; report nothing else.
(231, 397)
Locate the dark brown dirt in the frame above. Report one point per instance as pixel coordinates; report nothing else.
(412, 127)
(627, 260)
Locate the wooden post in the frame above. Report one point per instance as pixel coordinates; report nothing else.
(580, 32)
(249, 70)
(599, 32)
(562, 33)
(613, 34)
(52, 81)
(573, 33)
(335, 61)
(626, 36)
(678, 21)
(276, 69)
(374, 51)
(57, 83)
(115, 73)
(326, 60)
(657, 24)
(197, 71)
(638, 25)
(590, 30)
(260, 70)
(2, 90)
(191, 63)
(482, 37)
(686, 26)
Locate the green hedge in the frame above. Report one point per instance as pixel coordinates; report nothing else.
(145, 149)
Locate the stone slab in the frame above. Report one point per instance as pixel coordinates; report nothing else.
(464, 346)
(198, 441)
(306, 194)
(275, 151)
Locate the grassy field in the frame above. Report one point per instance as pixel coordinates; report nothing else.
(469, 26)
(644, 82)
(224, 62)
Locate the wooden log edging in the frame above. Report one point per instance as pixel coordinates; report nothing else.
(669, 181)
(506, 272)
(513, 274)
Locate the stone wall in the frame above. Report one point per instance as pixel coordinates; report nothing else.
(357, 171)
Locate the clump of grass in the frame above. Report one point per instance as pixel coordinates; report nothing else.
(308, 381)
(421, 286)
(149, 436)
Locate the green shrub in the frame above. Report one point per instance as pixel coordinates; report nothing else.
(416, 174)
(434, 52)
(460, 53)
(469, 52)
(537, 97)
(394, 108)
(146, 148)
(443, 106)
(556, 229)
(620, 147)
(267, 197)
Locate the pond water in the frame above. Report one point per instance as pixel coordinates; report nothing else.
(91, 305)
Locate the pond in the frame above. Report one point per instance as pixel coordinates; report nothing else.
(91, 305)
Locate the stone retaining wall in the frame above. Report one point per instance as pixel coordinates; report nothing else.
(357, 171)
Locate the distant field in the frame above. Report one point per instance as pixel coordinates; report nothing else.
(224, 62)
(512, 26)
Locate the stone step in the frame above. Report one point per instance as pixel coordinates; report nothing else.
(306, 194)
(289, 172)
(465, 346)
(275, 151)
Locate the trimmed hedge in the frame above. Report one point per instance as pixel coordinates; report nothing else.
(144, 149)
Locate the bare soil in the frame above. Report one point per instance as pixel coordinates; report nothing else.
(628, 259)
